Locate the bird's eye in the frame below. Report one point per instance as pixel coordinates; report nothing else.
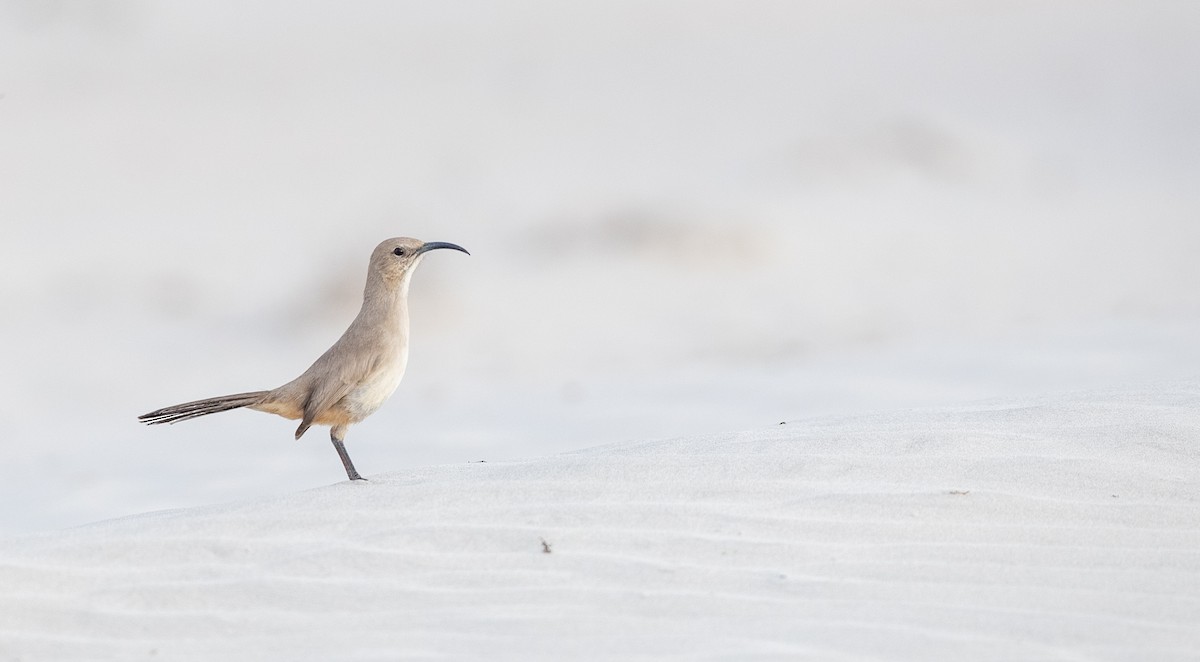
(400, 251)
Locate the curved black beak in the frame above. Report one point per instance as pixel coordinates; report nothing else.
(434, 245)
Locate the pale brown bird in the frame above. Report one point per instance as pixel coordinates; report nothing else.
(352, 379)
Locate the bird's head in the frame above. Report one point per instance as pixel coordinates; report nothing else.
(396, 257)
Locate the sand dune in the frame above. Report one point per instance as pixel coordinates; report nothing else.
(1052, 529)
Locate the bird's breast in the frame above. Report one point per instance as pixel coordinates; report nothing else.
(373, 391)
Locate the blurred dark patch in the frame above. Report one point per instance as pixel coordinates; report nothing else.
(923, 147)
(903, 143)
(648, 235)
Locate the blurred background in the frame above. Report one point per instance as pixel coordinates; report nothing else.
(685, 217)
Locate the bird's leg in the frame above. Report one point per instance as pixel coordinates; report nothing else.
(336, 434)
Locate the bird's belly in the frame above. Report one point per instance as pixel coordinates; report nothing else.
(369, 396)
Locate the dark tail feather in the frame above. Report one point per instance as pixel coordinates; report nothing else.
(188, 410)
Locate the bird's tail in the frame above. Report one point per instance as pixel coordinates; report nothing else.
(198, 408)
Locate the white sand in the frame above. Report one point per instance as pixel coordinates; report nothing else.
(684, 218)
(1062, 528)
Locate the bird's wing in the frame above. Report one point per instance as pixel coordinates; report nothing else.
(336, 375)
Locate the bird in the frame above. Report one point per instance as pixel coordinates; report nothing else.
(355, 376)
